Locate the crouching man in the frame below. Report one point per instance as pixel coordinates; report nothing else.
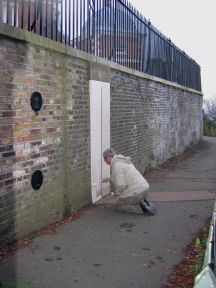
(131, 188)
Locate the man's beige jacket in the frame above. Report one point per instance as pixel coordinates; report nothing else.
(126, 179)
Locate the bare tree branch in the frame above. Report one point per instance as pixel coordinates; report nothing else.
(210, 109)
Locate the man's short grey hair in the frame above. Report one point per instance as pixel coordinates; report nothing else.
(109, 152)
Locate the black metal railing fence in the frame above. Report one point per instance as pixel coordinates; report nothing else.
(112, 29)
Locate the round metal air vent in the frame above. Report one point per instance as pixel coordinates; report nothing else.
(37, 179)
(36, 101)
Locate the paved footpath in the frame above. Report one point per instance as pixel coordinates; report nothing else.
(108, 249)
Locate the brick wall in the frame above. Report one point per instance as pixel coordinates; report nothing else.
(151, 120)
(54, 140)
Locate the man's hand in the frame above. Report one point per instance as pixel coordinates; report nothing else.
(105, 180)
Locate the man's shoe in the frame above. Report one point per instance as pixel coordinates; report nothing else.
(148, 207)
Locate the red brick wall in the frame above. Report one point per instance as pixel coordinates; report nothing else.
(54, 140)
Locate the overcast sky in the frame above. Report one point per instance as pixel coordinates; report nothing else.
(191, 25)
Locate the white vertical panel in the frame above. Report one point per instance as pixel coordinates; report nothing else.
(95, 116)
(100, 136)
(105, 143)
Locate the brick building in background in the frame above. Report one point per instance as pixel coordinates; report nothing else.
(115, 35)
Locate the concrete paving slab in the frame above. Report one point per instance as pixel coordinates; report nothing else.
(168, 197)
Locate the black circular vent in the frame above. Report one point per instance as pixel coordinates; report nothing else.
(36, 101)
(37, 179)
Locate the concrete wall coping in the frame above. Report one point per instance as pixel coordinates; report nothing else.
(29, 37)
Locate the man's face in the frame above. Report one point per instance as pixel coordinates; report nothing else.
(108, 160)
